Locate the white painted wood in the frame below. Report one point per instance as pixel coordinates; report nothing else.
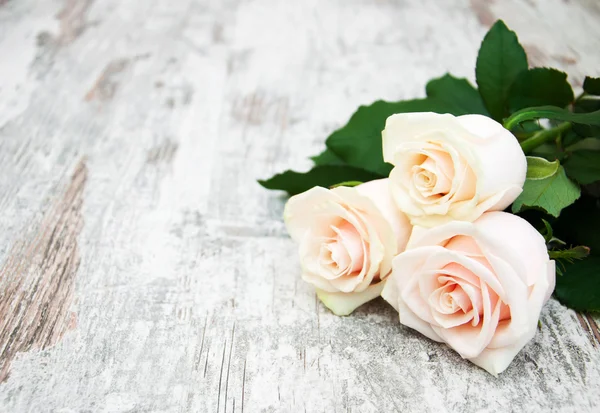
(188, 295)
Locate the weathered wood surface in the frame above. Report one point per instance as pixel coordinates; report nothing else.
(142, 269)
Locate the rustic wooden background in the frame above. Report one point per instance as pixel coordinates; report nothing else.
(142, 269)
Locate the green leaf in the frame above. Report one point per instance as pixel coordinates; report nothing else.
(591, 85)
(526, 129)
(548, 233)
(327, 158)
(575, 253)
(347, 183)
(359, 142)
(554, 113)
(458, 92)
(588, 144)
(571, 137)
(538, 87)
(586, 105)
(579, 287)
(325, 175)
(568, 256)
(500, 60)
(579, 224)
(550, 194)
(548, 151)
(584, 166)
(540, 168)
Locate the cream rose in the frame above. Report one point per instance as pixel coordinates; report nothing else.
(479, 287)
(451, 168)
(348, 238)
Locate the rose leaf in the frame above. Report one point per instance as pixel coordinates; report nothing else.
(327, 157)
(550, 194)
(579, 224)
(358, 143)
(579, 287)
(540, 86)
(325, 175)
(500, 60)
(349, 184)
(584, 166)
(591, 85)
(586, 104)
(456, 91)
(540, 168)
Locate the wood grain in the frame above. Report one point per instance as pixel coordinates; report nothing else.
(188, 296)
(38, 278)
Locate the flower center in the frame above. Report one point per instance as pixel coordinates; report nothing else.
(424, 180)
(453, 298)
(457, 295)
(432, 177)
(343, 253)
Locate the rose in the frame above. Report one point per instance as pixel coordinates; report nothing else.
(479, 287)
(451, 168)
(348, 238)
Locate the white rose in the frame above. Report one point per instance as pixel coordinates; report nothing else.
(348, 238)
(479, 287)
(451, 168)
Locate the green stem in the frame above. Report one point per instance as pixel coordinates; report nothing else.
(544, 136)
(521, 136)
(552, 113)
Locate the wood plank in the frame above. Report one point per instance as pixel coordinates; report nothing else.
(187, 296)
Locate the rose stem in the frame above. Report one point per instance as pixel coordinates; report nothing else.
(544, 136)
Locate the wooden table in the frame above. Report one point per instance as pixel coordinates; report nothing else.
(142, 268)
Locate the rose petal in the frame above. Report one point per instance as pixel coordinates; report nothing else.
(526, 250)
(407, 267)
(551, 277)
(488, 166)
(407, 317)
(345, 303)
(445, 257)
(318, 281)
(470, 341)
(404, 127)
(439, 235)
(444, 167)
(357, 282)
(496, 360)
(493, 145)
(467, 294)
(464, 244)
(349, 248)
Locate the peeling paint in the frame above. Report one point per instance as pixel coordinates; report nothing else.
(73, 20)
(483, 11)
(37, 279)
(163, 153)
(535, 56)
(106, 85)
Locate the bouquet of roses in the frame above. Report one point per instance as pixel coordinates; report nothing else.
(459, 208)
